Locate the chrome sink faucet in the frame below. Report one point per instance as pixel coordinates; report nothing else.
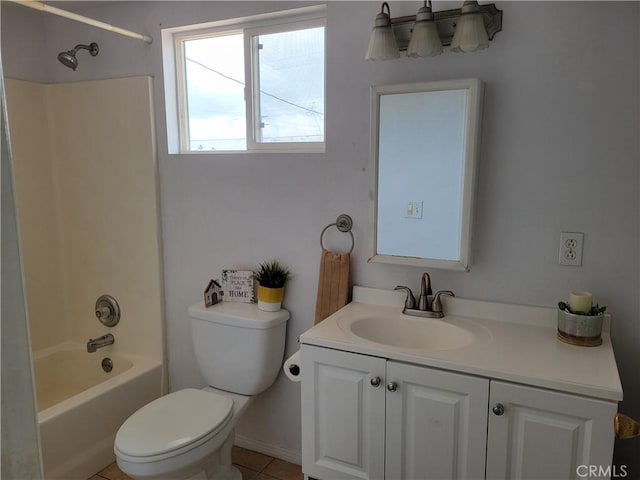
(103, 341)
(425, 291)
(424, 308)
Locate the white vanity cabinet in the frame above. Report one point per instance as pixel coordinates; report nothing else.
(487, 392)
(540, 434)
(366, 417)
(343, 419)
(435, 422)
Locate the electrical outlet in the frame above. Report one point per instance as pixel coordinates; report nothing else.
(571, 248)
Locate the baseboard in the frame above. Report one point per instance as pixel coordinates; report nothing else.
(292, 456)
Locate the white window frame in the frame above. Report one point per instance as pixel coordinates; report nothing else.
(251, 27)
(252, 75)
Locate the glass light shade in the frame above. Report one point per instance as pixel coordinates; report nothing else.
(470, 34)
(425, 41)
(382, 43)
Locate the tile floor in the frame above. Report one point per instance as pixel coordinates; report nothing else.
(253, 465)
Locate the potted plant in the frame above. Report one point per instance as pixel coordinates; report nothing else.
(580, 324)
(271, 277)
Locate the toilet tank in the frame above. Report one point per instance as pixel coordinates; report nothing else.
(239, 348)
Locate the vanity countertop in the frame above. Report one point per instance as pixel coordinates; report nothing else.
(515, 343)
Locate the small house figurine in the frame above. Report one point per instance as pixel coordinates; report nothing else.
(212, 294)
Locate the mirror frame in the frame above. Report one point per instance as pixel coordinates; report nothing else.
(475, 89)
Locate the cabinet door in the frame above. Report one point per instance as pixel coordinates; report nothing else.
(342, 414)
(436, 424)
(546, 435)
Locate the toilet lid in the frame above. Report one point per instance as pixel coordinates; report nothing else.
(172, 422)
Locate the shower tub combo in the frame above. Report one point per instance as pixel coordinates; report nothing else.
(81, 404)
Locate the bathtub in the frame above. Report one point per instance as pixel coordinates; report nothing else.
(81, 407)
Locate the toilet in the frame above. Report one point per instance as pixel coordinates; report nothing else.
(188, 434)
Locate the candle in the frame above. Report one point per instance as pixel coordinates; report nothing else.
(580, 302)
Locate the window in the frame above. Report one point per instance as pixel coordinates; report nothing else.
(251, 85)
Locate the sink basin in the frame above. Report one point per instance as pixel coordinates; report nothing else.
(407, 332)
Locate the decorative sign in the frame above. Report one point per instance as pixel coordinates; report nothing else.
(238, 286)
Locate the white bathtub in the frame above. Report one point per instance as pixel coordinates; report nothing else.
(81, 407)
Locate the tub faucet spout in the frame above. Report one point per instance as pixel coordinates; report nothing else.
(103, 341)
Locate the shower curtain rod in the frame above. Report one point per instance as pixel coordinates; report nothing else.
(79, 18)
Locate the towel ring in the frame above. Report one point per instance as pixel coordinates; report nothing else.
(344, 224)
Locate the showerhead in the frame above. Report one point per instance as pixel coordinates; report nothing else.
(68, 58)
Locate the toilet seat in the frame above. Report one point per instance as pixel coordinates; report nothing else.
(173, 424)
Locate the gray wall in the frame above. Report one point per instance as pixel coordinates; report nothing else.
(560, 152)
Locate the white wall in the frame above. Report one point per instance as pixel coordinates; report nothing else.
(87, 202)
(560, 152)
(107, 198)
(37, 213)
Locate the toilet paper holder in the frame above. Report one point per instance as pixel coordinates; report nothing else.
(292, 368)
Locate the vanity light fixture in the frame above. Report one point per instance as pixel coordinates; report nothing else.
(466, 29)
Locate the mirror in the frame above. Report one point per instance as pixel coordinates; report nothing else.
(424, 148)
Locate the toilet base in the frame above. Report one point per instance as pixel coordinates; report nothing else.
(219, 466)
(222, 473)
(216, 466)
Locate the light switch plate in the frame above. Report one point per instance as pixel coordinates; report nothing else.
(414, 209)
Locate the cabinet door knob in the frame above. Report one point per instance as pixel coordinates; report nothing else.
(498, 409)
(392, 387)
(375, 381)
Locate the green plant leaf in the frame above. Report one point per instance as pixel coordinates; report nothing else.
(272, 274)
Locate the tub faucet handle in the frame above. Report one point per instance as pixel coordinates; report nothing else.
(107, 310)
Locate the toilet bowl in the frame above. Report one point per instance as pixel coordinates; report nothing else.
(188, 434)
(195, 425)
